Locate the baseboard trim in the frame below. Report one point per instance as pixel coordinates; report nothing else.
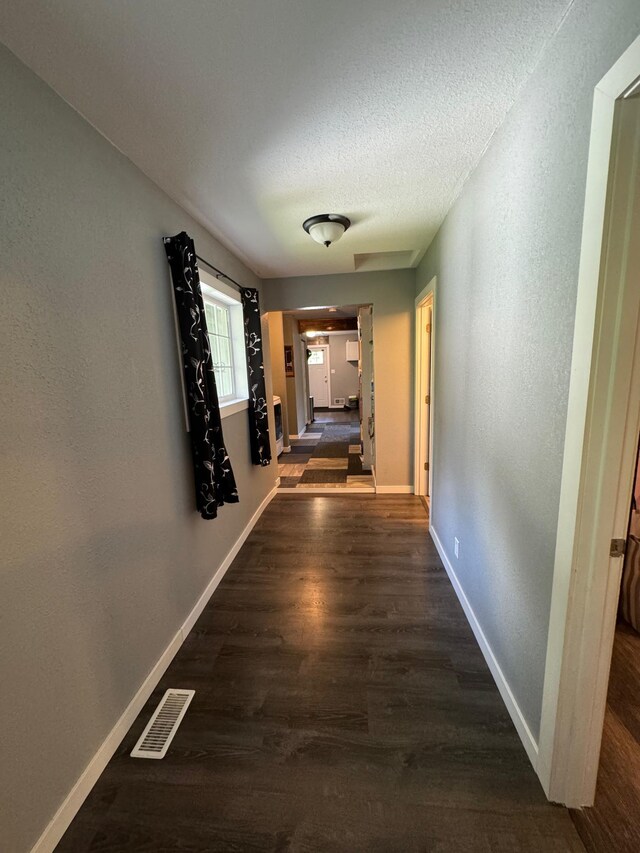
(299, 435)
(394, 490)
(327, 492)
(524, 732)
(76, 797)
(202, 602)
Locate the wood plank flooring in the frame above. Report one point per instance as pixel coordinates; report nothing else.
(613, 824)
(341, 704)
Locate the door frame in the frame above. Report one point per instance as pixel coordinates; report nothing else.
(424, 384)
(603, 421)
(327, 349)
(303, 344)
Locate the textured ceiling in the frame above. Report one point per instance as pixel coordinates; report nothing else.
(255, 114)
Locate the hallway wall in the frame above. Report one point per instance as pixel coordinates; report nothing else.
(506, 259)
(392, 294)
(103, 553)
(278, 377)
(296, 403)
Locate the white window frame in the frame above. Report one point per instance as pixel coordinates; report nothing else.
(219, 293)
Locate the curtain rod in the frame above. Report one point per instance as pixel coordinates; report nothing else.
(219, 273)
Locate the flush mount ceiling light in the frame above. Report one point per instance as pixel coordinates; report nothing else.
(326, 228)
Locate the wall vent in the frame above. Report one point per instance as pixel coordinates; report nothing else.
(338, 401)
(161, 728)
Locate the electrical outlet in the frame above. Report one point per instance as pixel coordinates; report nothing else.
(456, 546)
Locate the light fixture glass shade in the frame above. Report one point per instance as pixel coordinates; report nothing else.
(326, 228)
(326, 232)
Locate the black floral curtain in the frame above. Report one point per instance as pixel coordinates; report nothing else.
(214, 480)
(258, 419)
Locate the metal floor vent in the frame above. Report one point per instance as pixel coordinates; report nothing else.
(161, 728)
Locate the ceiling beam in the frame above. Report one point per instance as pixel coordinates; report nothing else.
(339, 324)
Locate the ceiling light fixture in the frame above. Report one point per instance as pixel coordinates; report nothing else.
(326, 228)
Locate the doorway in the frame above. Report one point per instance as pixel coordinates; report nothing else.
(603, 425)
(319, 364)
(424, 393)
(325, 382)
(612, 823)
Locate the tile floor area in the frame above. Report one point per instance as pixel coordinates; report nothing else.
(327, 456)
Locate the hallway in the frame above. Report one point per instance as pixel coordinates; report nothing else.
(341, 704)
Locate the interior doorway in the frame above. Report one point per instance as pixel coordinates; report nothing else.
(613, 823)
(326, 387)
(319, 365)
(424, 393)
(603, 425)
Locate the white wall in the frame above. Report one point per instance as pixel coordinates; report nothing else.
(506, 259)
(103, 553)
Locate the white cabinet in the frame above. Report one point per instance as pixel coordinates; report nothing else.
(352, 351)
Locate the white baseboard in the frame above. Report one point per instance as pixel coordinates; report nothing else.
(528, 740)
(299, 435)
(394, 490)
(327, 491)
(287, 449)
(192, 618)
(71, 805)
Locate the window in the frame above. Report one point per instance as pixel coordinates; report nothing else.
(225, 326)
(219, 328)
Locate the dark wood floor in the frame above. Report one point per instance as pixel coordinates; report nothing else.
(341, 704)
(613, 824)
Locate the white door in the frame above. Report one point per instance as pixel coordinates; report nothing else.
(319, 376)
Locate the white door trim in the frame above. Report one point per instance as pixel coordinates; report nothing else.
(327, 350)
(302, 343)
(603, 419)
(424, 383)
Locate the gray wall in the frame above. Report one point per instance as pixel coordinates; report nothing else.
(103, 554)
(506, 259)
(392, 294)
(345, 379)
